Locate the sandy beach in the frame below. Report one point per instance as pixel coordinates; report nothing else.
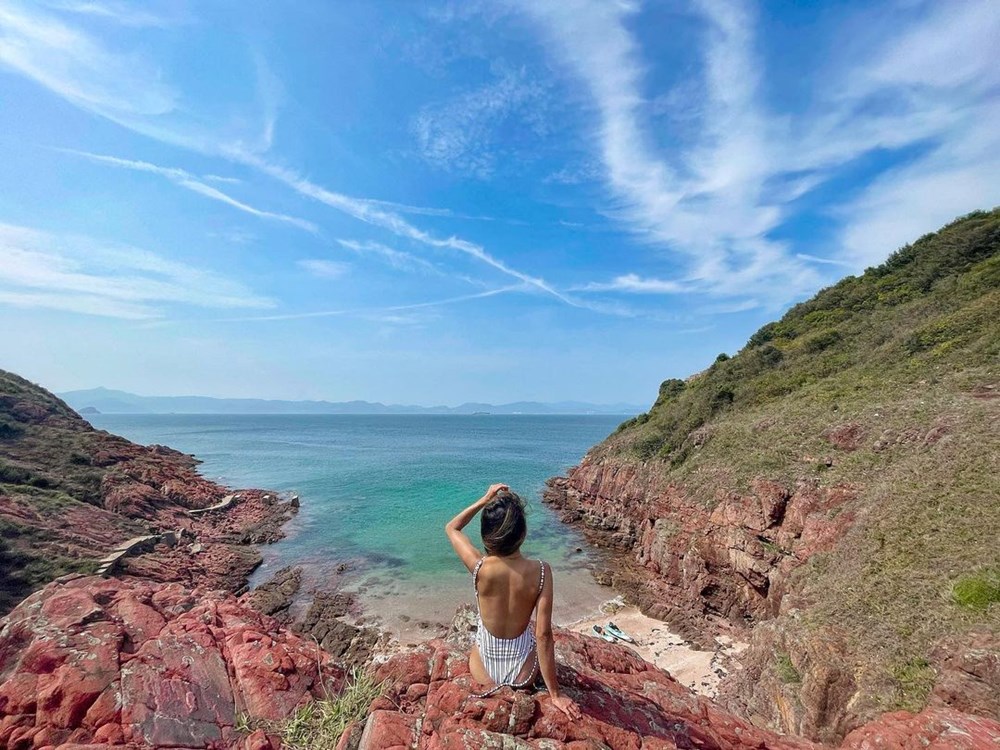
(697, 669)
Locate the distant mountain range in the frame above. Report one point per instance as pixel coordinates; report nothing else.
(108, 401)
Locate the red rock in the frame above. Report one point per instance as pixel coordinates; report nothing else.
(258, 740)
(110, 733)
(968, 667)
(932, 729)
(50, 737)
(846, 437)
(388, 730)
(141, 621)
(626, 703)
(68, 673)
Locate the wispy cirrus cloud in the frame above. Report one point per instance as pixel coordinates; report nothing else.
(190, 182)
(122, 84)
(124, 14)
(461, 134)
(50, 45)
(395, 258)
(324, 269)
(376, 311)
(714, 200)
(635, 284)
(371, 212)
(78, 274)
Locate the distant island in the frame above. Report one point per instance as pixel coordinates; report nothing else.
(107, 401)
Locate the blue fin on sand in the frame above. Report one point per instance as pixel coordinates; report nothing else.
(618, 633)
(599, 632)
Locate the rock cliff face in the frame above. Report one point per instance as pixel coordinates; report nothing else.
(626, 703)
(829, 489)
(733, 559)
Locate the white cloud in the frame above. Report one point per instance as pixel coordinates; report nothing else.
(714, 201)
(945, 69)
(117, 12)
(824, 261)
(40, 269)
(375, 311)
(121, 83)
(222, 179)
(190, 182)
(395, 258)
(120, 86)
(324, 269)
(372, 212)
(55, 51)
(637, 285)
(460, 135)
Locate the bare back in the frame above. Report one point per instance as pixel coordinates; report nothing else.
(508, 590)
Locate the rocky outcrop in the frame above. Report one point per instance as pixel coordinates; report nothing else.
(70, 495)
(968, 669)
(686, 561)
(627, 704)
(324, 621)
(275, 596)
(115, 662)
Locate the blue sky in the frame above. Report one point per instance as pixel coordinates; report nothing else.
(448, 201)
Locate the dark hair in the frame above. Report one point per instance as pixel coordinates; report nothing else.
(503, 524)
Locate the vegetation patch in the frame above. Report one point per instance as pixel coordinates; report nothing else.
(319, 724)
(977, 591)
(785, 670)
(915, 679)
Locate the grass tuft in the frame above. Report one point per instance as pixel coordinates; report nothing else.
(319, 724)
(915, 679)
(786, 671)
(977, 591)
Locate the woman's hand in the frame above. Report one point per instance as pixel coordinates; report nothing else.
(567, 706)
(494, 489)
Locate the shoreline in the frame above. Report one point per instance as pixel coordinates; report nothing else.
(254, 519)
(701, 670)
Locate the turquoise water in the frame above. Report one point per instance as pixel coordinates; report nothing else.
(376, 492)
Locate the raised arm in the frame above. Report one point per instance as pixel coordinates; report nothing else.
(464, 547)
(547, 649)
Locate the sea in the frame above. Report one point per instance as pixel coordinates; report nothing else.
(377, 490)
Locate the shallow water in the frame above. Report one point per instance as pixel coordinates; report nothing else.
(376, 492)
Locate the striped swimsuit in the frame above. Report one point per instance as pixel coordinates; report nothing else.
(504, 658)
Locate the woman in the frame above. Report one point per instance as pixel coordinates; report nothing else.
(508, 588)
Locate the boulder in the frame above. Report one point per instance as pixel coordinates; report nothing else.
(88, 660)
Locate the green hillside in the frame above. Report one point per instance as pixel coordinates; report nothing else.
(888, 383)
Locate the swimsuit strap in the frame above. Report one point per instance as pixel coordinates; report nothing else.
(541, 583)
(475, 575)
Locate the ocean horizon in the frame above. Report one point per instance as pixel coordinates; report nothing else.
(376, 491)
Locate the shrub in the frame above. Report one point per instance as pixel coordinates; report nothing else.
(9, 430)
(822, 340)
(13, 474)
